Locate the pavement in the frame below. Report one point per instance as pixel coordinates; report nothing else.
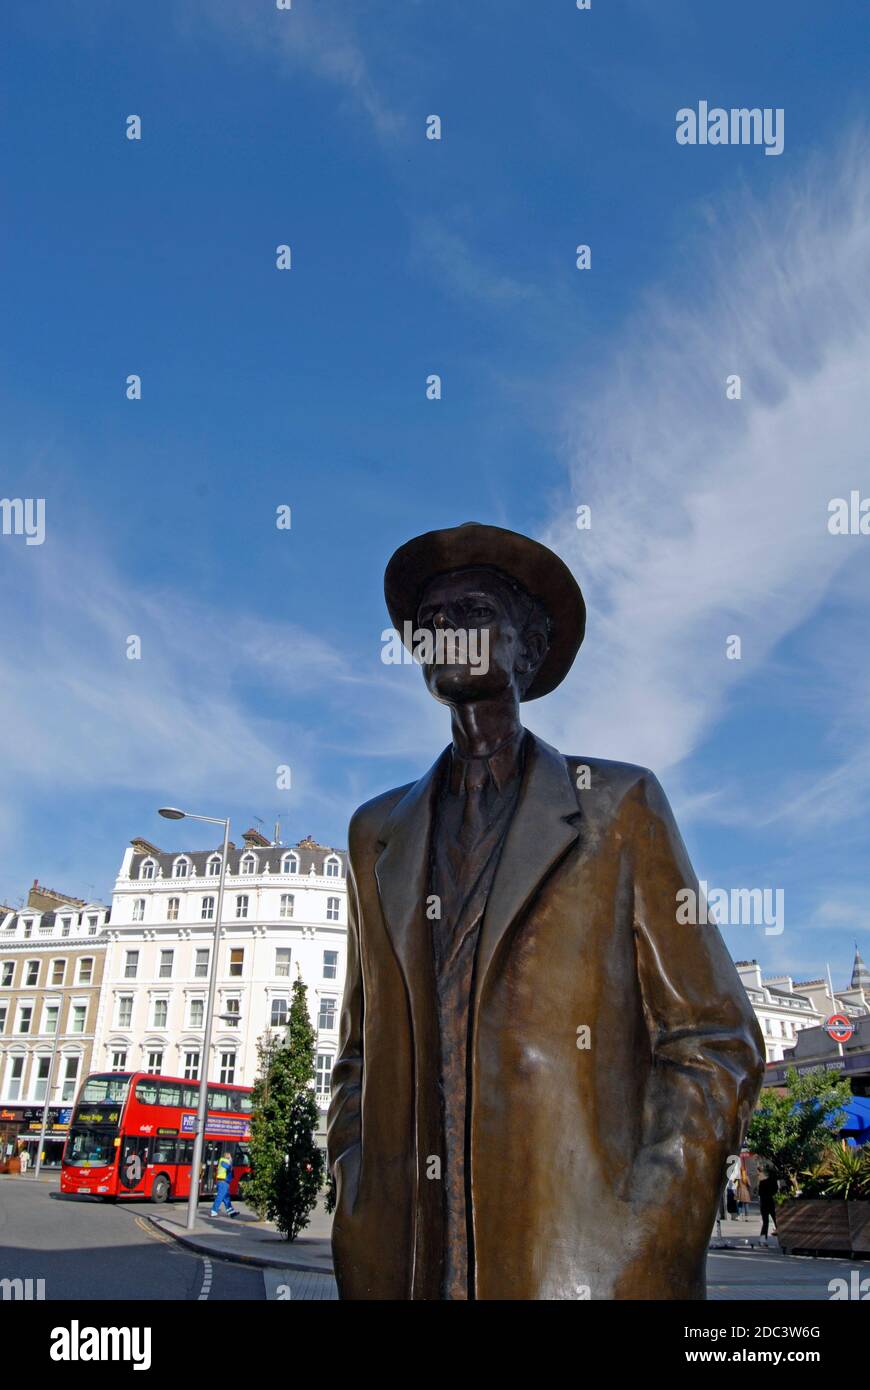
(247, 1240)
(86, 1249)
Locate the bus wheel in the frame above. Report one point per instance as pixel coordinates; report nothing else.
(160, 1190)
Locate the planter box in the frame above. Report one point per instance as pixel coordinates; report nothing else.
(823, 1223)
(859, 1227)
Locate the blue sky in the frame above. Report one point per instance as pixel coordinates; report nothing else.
(261, 647)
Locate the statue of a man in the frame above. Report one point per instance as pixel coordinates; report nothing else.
(541, 1071)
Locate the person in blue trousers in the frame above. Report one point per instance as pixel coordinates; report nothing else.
(224, 1178)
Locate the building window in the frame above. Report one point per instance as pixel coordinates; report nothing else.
(165, 971)
(326, 1014)
(330, 965)
(139, 910)
(155, 1063)
(197, 1013)
(4, 1009)
(323, 1078)
(28, 926)
(79, 1012)
(332, 909)
(147, 869)
(32, 977)
(248, 864)
(49, 1023)
(214, 866)
(119, 1060)
(237, 960)
(86, 970)
(282, 962)
(242, 905)
(58, 971)
(207, 913)
(290, 864)
(279, 1013)
(8, 973)
(232, 1012)
(70, 1075)
(333, 867)
(93, 923)
(228, 1068)
(13, 1077)
(191, 1066)
(40, 1080)
(25, 1015)
(286, 904)
(172, 909)
(200, 969)
(161, 1013)
(125, 1011)
(180, 868)
(131, 965)
(65, 924)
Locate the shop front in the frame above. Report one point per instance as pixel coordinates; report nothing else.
(20, 1127)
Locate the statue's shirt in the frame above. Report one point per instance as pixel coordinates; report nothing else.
(477, 799)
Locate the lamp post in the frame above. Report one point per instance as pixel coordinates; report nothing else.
(171, 813)
(38, 1164)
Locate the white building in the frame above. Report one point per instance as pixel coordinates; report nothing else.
(785, 1007)
(285, 911)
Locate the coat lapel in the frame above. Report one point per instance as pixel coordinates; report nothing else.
(402, 875)
(544, 826)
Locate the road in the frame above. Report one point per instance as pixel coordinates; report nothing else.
(85, 1249)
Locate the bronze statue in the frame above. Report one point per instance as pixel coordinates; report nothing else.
(541, 1073)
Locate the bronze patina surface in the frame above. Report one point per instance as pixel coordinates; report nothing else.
(541, 1073)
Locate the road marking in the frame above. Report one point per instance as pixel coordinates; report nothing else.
(206, 1279)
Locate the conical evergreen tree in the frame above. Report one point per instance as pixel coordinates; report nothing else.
(287, 1165)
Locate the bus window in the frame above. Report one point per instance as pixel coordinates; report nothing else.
(217, 1100)
(109, 1088)
(169, 1093)
(146, 1092)
(245, 1103)
(163, 1149)
(89, 1148)
(190, 1097)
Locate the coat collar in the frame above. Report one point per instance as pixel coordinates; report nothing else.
(542, 829)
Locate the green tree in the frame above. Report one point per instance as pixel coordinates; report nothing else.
(796, 1131)
(287, 1166)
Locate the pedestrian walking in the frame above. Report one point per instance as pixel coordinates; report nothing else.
(23, 1159)
(744, 1195)
(731, 1200)
(224, 1178)
(767, 1190)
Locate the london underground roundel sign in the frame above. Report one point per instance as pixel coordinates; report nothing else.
(839, 1027)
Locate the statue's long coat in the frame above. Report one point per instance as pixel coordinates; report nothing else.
(593, 1171)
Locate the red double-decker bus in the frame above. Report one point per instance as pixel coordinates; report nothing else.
(131, 1135)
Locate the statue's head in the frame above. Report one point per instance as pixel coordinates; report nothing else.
(488, 612)
(489, 636)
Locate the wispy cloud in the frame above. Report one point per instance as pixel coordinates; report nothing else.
(709, 516)
(321, 39)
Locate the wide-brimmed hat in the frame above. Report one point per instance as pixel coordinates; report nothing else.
(540, 572)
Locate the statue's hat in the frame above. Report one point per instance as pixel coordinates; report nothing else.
(526, 562)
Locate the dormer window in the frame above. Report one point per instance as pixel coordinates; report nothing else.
(248, 864)
(290, 864)
(213, 868)
(333, 867)
(181, 868)
(148, 869)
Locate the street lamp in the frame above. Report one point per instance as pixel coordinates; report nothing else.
(38, 1164)
(171, 813)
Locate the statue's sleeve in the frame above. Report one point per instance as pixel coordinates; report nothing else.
(343, 1121)
(707, 1050)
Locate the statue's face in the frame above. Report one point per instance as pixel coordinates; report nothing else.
(493, 659)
